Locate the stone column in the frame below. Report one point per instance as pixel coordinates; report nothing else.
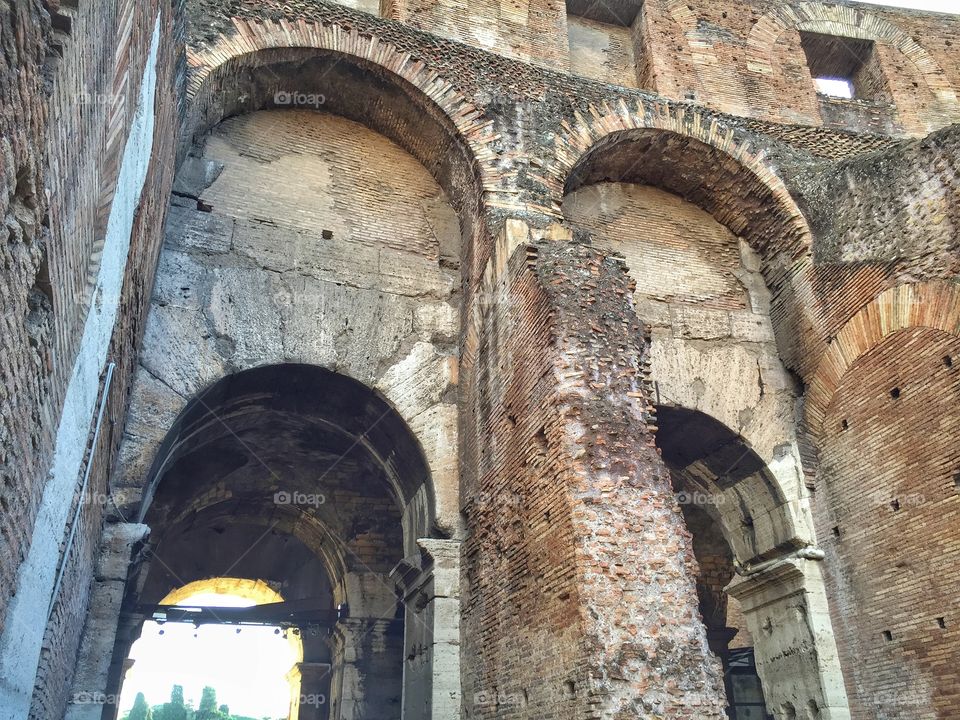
(309, 691)
(367, 683)
(91, 689)
(431, 595)
(785, 605)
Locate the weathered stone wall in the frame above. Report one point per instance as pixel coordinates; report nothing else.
(602, 51)
(712, 345)
(303, 237)
(886, 511)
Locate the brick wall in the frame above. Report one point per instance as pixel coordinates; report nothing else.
(886, 510)
(745, 57)
(553, 577)
(532, 31)
(29, 408)
(92, 65)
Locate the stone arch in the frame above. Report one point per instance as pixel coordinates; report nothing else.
(716, 358)
(847, 21)
(427, 115)
(255, 590)
(313, 480)
(934, 305)
(716, 469)
(361, 417)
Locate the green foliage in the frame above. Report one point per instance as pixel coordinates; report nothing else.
(208, 706)
(177, 709)
(140, 709)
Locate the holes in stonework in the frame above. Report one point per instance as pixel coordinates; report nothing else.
(326, 234)
(895, 393)
(844, 425)
(948, 361)
(836, 531)
(956, 480)
(525, 698)
(895, 504)
(887, 635)
(747, 521)
(569, 689)
(942, 623)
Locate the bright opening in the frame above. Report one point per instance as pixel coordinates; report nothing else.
(247, 669)
(834, 87)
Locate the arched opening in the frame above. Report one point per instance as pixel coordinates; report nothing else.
(359, 90)
(311, 483)
(714, 243)
(717, 478)
(239, 667)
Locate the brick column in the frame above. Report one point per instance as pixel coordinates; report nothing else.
(785, 605)
(580, 596)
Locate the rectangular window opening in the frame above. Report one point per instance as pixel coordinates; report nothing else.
(845, 68)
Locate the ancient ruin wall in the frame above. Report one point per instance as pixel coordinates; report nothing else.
(573, 524)
(63, 177)
(887, 504)
(26, 362)
(745, 57)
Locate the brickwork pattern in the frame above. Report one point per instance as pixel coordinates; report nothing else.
(575, 499)
(887, 511)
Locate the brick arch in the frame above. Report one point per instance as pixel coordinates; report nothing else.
(934, 305)
(848, 21)
(595, 132)
(209, 64)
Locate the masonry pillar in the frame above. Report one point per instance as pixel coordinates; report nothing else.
(309, 691)
(579, 583)
(785, 605)
(368, 675)
(91, 690)
(431, 595)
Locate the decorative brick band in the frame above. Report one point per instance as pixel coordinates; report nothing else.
(933, 305)
(846, 21)
(468, 121)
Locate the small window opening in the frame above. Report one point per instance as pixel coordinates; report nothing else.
(843, 67)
